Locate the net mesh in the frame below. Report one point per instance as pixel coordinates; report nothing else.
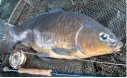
(110, 13)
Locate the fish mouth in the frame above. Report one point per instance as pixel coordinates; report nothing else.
(117, 47)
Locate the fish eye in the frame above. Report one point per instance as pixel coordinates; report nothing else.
(103, 36)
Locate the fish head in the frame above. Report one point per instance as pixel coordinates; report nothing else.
(95, 39)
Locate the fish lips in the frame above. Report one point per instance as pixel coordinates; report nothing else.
(117, 47)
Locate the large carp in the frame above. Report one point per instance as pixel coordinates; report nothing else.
(62, 35)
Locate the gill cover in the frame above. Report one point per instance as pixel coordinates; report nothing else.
(89, 41)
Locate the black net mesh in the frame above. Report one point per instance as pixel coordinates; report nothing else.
(110, 13)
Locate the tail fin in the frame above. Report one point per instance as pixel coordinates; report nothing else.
(5, 24)
(5, 42)
(4, 28)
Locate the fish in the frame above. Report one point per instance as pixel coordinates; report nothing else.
(64, 35)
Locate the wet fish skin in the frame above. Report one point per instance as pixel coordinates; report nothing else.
(79, 34)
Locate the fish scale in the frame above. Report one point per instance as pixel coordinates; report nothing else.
(86, 9)
(65, 30)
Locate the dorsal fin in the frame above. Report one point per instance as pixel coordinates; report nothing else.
(54, 10)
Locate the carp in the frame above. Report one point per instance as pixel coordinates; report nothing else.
(64, 35)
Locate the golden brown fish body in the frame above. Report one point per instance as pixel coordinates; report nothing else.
(66, 35)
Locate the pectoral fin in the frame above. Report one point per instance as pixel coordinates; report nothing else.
(62, 51)
(57, 53)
